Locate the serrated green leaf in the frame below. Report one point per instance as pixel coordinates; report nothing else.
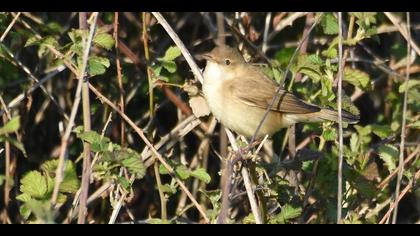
(98, 143)
(11, 126)
(382, 131)
(32, 41)
(183, 172)
(330, 52)
(124, 182)
(163, 170)
(167, 188)
(34, 184)
(104, 40)
(202, 175)
(134, 164)
(171, 53)
(97, 65)
(329, 24)
(389, 154)
(329, 134)
(287, 213)
(24, 197)
(356, 77)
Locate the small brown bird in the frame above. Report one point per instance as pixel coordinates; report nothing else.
(239, 94)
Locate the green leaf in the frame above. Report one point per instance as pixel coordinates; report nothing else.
(202, 175)
(97, 65)
(32, 41)
(410, 84)
(170, 189)
(24, 211)
(70, 182)
(356, 77)
(389, 154)
(34, 184)
(124, 182)
(99, 143)
(330, 52)
(170, 66)
(104, 40)
(134, 164)
(284, 55)
(382, 131)
(24, 197)
(329, 24)
(287, 213)
(11, 126)
(163, 170)
(353, 142)
(171, 53)
(183, 172)
(329, 134)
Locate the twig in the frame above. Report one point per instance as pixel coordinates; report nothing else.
(404, 120)
(398, 198)
(195, 69)
(340, 121)
(148, 69)
(86, 114)
(64, 142)
(152, 148)
(119, 75)
(247, 182)
(280, 87)
(9, 27)
(403, 30)
(395, 172)
(288, 21)
(163, 201)
(266, 29)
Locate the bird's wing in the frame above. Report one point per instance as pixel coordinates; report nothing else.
(259, 93)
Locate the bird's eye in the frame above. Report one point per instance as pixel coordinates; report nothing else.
(227, 62)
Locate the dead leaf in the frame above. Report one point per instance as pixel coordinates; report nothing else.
(199, 106)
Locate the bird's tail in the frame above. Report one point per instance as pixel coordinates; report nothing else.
(327, 114)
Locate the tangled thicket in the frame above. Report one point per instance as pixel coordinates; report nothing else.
(96, 111)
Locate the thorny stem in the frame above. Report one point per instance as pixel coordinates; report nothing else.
(340, 121)
(404, 120)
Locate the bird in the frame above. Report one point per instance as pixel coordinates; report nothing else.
(239, 93)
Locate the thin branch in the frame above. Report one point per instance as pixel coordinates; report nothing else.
(288, 21)
(195, 69)
(404, 120)
(66, 136)
(86, 114)
(280, 87)
(140, 132)
(247, 182)
(340, 121)
(119, 75)
(398, 199)
(395, 172)
(403, 30)
(9, 27)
